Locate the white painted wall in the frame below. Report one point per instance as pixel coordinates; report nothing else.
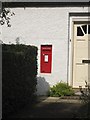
(38, 26)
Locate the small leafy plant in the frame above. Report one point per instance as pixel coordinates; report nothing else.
(85, 97)
(85, 92)
(60, 89)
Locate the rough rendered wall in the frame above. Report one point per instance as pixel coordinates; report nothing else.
(38, 26)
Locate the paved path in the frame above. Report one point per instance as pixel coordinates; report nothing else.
(53, 107)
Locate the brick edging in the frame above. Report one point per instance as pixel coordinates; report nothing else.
(70, 97)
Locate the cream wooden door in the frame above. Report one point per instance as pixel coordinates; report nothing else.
(89, 53)
(81, 54)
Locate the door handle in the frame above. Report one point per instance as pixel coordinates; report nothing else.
(86, 61)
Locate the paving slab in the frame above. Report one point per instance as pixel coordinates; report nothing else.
(54, 107)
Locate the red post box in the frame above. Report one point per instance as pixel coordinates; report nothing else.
(46, 58)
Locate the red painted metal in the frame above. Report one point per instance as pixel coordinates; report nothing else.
(46, 58)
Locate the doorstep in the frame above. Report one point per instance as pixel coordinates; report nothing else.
(66, 99)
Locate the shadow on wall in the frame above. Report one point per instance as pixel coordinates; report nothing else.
(42, 86)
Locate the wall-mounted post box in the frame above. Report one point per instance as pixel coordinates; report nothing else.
(46, 58)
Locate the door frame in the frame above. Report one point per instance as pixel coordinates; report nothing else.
(71, 44)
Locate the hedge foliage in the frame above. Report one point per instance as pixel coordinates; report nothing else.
(60, 89)
(19, 70)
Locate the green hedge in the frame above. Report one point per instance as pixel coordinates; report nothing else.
(19, 70)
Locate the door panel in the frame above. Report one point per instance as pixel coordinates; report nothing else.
(81, 53)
